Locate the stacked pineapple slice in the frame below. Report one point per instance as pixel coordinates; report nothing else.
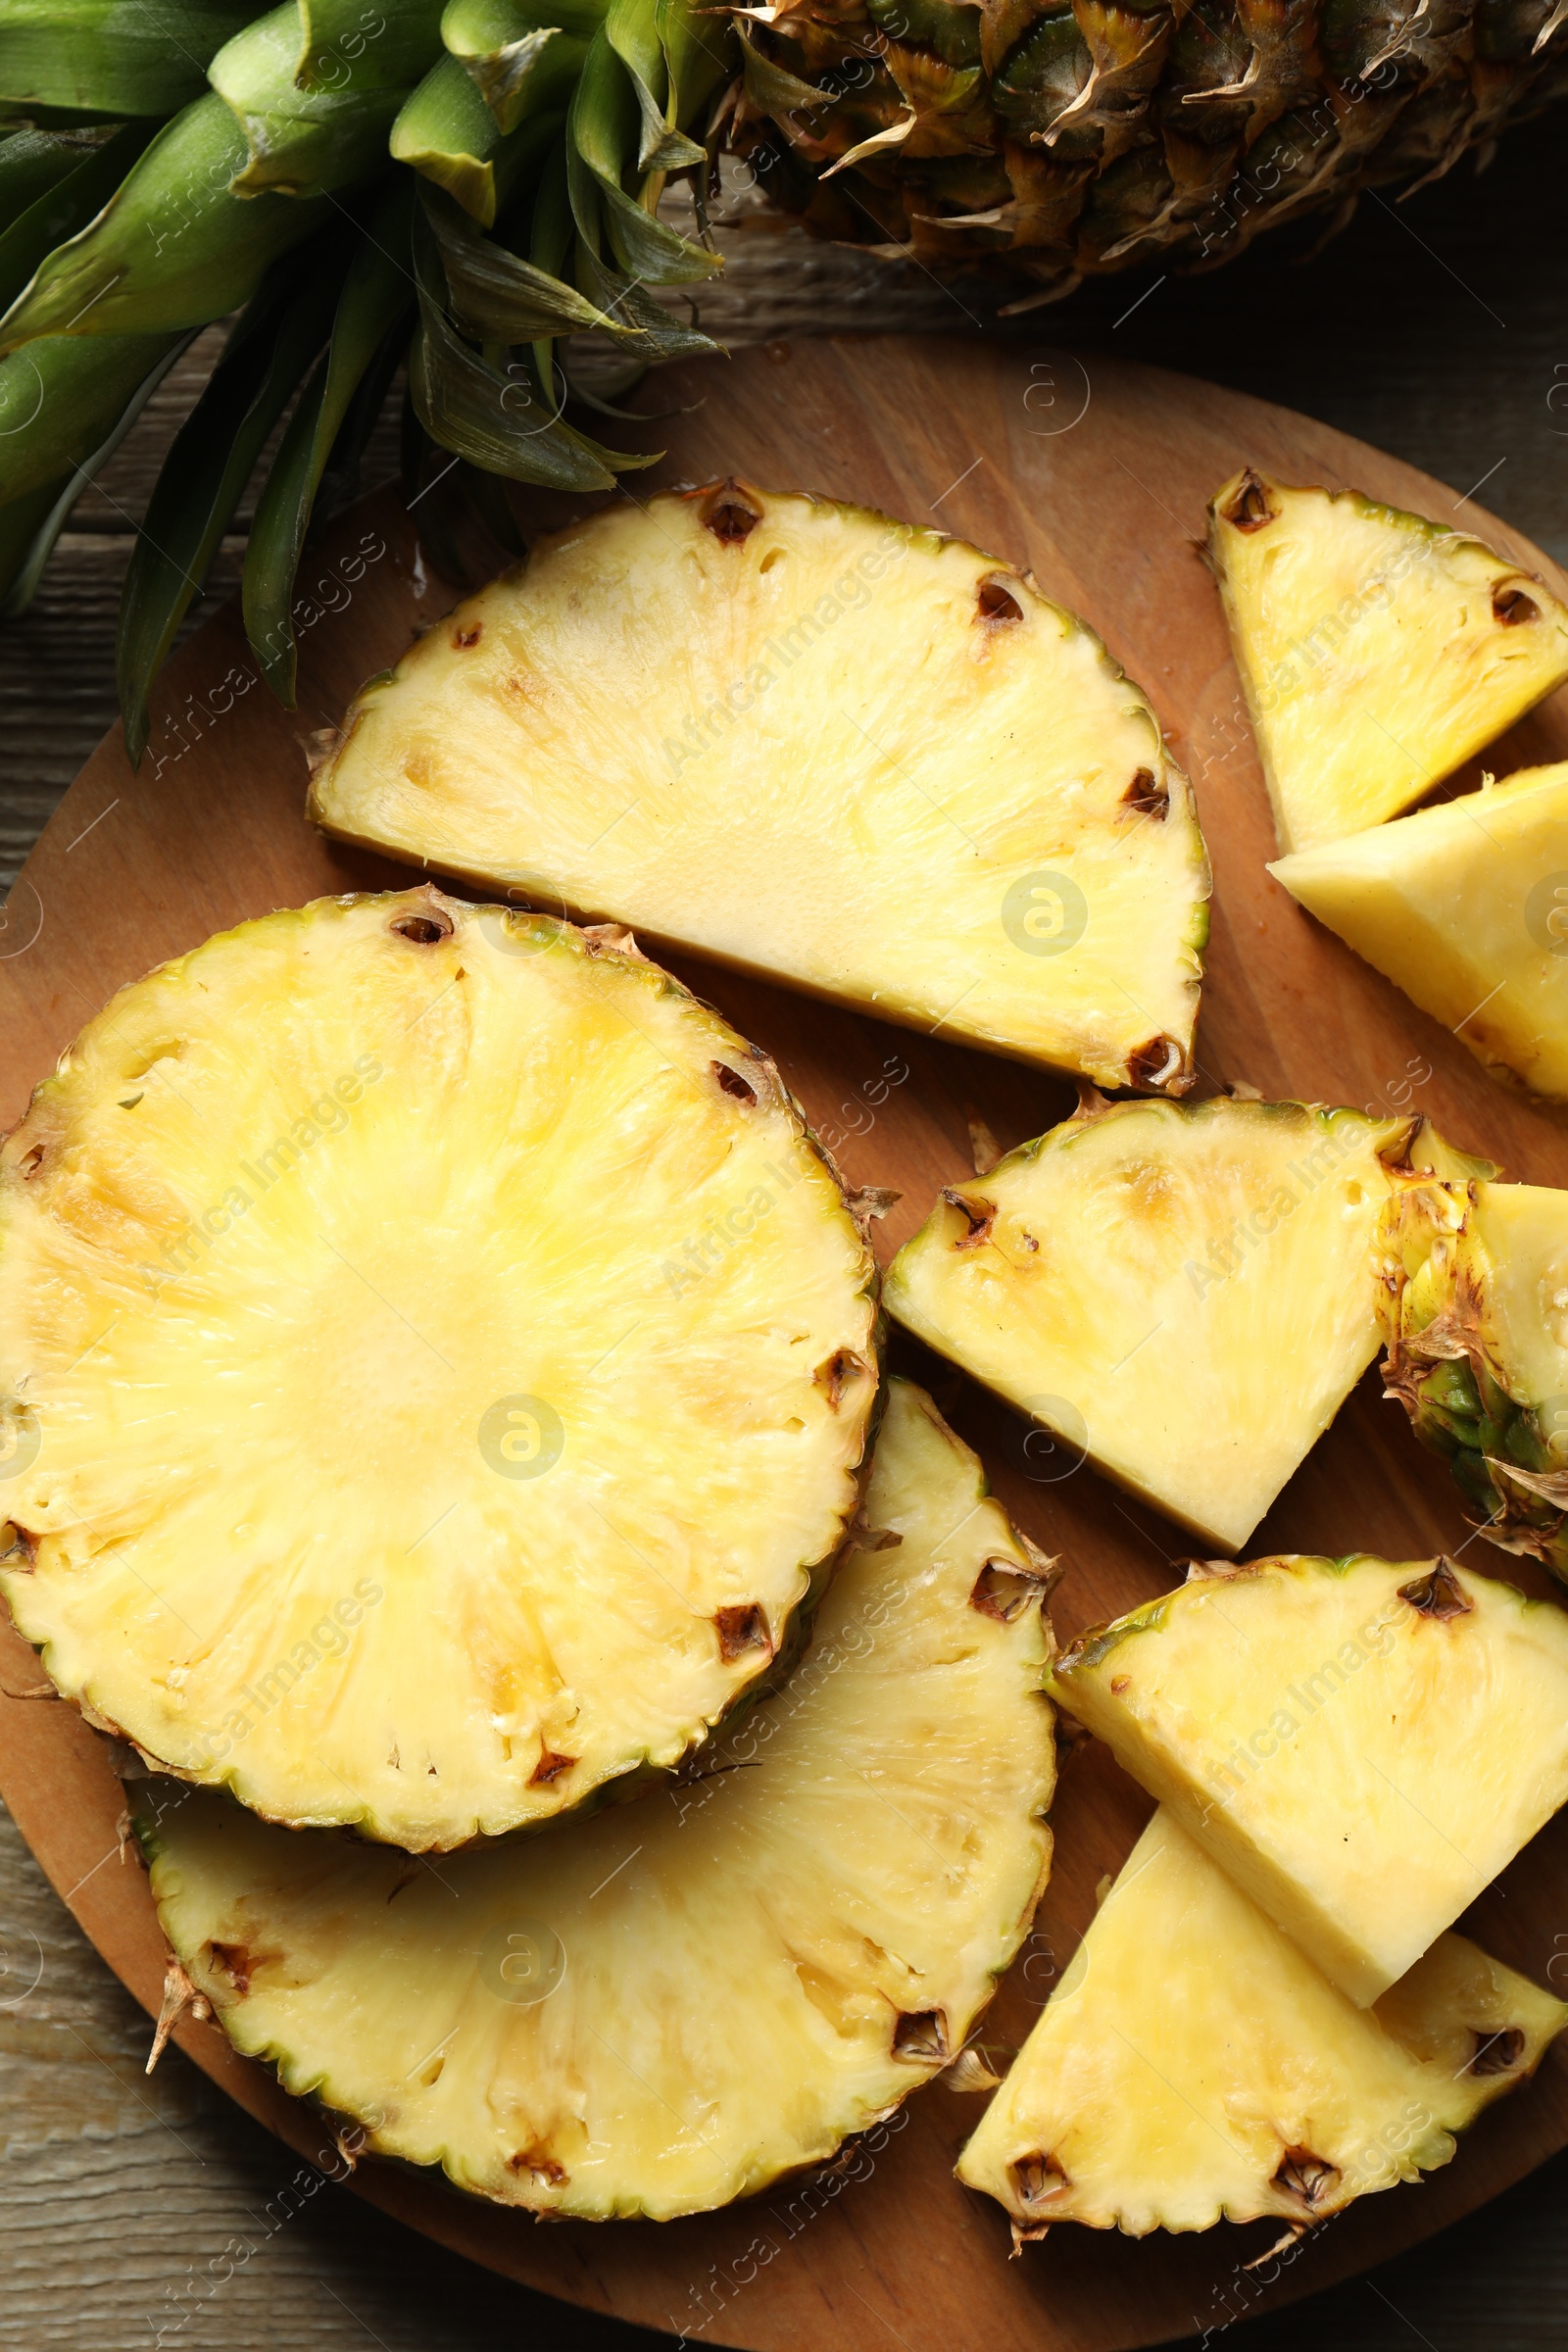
(438, 1368)
(666, 2007)
(1193, 2067)
(1377, 652)
(1268, 2016)
(1326, 1729)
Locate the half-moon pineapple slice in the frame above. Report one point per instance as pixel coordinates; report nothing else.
(1377, 651)
(434, 1364)
(1191, 2066)
(849, 753)
(666, 2006)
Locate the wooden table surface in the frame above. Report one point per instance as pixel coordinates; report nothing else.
(136, 2213)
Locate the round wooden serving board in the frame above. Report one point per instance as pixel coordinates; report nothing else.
(1097, 478)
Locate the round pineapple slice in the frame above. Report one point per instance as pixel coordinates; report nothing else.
(435, 1363)
(668, 2006)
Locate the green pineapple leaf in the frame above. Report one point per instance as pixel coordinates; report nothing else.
(502, 420)
(63, 210)
(501, 44)
(174, 247)
(103, 57)
(273, 344)
(301, 142)
(601, 142)
(32, 162)
(374, 313)
(19, 578)
(496, 297)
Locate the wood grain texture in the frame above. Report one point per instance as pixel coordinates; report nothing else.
(211, 831)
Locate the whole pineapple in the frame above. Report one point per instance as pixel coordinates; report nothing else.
(468, 185)
(1056, 142)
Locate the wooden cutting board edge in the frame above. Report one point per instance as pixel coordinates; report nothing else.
(55, 1773)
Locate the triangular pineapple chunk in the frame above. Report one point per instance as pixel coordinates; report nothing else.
(1377, 651)
(668, 2005)
(1474, 1304)
(848, 753)
(434, 1367)
(1191, 2066)
(1465, 907)
(1363, 1744)
(1183, 1292)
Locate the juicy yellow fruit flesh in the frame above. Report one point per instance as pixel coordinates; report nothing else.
(1184, 1292)
(1361, 1745)
(815, 751)
(1522, 1231)
(1494, 1259)
(1191, 2066)
(665, 2007)
(1377, 651)
(1465, 907)
(387, 1324)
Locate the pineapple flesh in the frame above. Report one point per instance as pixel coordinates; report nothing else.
(1183, 1292)
(435, 1366)
(1191, 2066)
(1377, 651)
(848, 753)
(1475, 1313)
(1363, 1744)
(668, 2005)
(1464, 906)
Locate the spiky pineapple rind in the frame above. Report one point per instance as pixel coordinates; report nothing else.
(1447, 1364)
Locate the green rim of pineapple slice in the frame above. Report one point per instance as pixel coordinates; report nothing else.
(1465, 907)
(1183, 1292)
(1363, 1744)
(1474, 1305)
(1191, 2066)
(668, 2005)
(847, 753)
(436, 1364)
(1377, 651)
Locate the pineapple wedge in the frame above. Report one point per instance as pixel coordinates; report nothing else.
(1191, 2066)
(847, 753)
(1474, 1306)
(668, 2005)
(1183, 1292)
(1465, 907)
(1377, 651)
(1363, 1744)
(435, 1364)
